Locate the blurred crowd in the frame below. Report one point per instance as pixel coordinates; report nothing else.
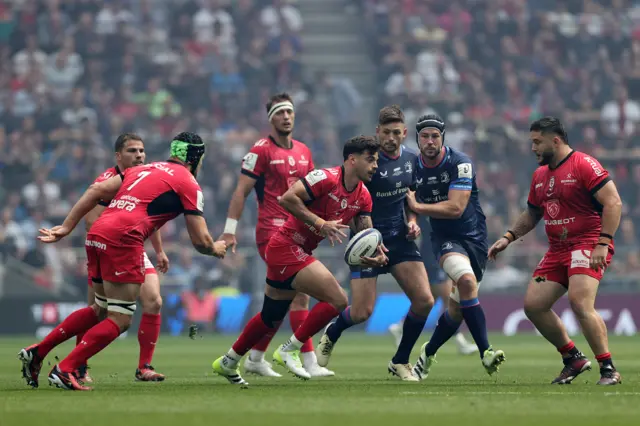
(76, 73)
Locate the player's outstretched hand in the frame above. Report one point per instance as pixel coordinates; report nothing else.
(163, 262)
(380, 258)
(54, 234)
(332, 230)
(219, 249)
(231, 241)
(414, 231)
(498, 247)
(598, 257)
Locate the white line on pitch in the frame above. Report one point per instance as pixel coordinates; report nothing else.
(517, 393)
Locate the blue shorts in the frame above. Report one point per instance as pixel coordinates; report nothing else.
(475, 251)
(400, 250)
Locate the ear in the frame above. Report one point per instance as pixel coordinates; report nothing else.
(377, 130)
(404, 134)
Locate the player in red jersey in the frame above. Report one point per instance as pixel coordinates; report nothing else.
(581, 209)
(271, 167)
(142, 200)
(320, 206)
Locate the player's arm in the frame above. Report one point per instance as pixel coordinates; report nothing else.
(244, 187)
(200, 237)
(609, 198)
(448, 209)
(161, 256)
(363, 221)
(527, 220)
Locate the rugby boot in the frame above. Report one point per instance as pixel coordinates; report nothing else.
(66, 381)
(492, 360)
(609, 376)
(148, 374)
(324, 349)
(291, 361)
(224, 367)
(83, 375)
(260, 368)
(31, 364)
(573, 367)
(423, 364)
(403, 371)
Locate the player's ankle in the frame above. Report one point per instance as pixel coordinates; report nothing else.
(256, 355)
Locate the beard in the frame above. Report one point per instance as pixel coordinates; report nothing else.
(545, 158)
(284, 132)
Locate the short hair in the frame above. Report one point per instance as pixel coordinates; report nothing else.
(390, 114)
(189, 137)
(359, 145)
(278, 97)
(549, 124)
(123, 139)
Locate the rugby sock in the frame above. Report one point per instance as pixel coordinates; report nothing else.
(258, 350)
(319, 317)
(296, 319)
(605, 360)
(411, 329)
(445, 329)
(78, 322)
(568, 350)
(147, 337)
(253, 332)
(96, 339)
(474, 317)
(79, 337)
(343, 322)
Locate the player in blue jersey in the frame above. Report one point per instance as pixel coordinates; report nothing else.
(447, 193)
(388, 188)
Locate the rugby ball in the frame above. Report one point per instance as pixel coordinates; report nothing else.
(364, 243)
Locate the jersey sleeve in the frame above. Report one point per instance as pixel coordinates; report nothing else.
(318, 182)
(255, 163)
(366, 202)
(108, 174)
(462, 175)
(592, 175)
(532, 200)
(191, 197)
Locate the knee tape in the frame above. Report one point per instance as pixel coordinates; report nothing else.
(274, 311)
(101, 301)
(456, 266)
(121, 306)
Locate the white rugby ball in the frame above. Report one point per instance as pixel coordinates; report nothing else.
(364, 243)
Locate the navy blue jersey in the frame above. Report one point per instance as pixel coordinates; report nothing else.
(389, 188)
(455, 172)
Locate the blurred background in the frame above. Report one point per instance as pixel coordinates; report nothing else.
(76, 73)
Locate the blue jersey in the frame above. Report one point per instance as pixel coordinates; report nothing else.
(389, 188)
(456, 172)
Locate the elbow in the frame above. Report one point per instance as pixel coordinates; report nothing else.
(285, 202)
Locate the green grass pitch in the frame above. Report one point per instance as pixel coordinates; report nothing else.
(457, 392)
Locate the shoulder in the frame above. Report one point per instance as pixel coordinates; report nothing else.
(409, 152)
(587, 162)
(320, 175)
(458, 157)
(107, 174)
(540, 171)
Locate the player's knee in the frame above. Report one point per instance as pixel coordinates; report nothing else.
(467, 287)
(581, 307)
(300, 302)
(100, 306)
(274, 311)
(360, 314)
(152, 305)
(340, 301)
(533, 307)
(422, 304)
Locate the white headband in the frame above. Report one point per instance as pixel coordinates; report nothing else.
(278, 107)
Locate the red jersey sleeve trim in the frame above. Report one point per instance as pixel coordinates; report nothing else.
(602, 183)
(533, 206)
(364, 214)
(248, 173)
(193, 212)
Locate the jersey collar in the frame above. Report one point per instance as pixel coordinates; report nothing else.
(388, 157)
(344, 185)
(271, 138)
(563, 160)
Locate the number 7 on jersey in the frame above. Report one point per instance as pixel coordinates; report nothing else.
(141, 176)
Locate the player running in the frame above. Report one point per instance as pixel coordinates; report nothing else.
(448, 194)
(581, 208)
(129, 152)
(142, 200)
(271, 167)
(388, 188)
(319, 205)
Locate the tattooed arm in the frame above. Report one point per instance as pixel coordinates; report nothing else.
(527, 220)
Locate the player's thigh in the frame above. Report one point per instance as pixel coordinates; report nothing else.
(583, 290)
(363, 297)
(121, 299)
(150, 296)
(318, 282)
(91, 294)
(542, 295)
(413, 280)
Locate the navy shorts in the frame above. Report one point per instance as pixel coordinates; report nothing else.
(434, 271)
(475, 251)
(400, 250)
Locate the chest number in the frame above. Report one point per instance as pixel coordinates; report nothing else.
(141, 176)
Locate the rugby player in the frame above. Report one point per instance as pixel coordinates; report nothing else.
(581, 208)
(271, 167)
(320, 205)
(447, 193)
(398, 226)
(143, 199)
(129, 152)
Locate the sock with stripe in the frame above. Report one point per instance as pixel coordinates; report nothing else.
(95, 340)
(445, 329)
(473, 315)
(568, 350)
(411, 329)
(341, 324)
(296, 319)
(605, 360)
(77, 323)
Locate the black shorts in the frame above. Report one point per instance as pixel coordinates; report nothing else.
(400, 250)
(476, 251)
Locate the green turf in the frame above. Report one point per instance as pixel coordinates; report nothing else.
(457, 391)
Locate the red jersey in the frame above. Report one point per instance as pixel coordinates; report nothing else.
(107, 174)
(331, 201)
(275, 169)
(150, 196)
(572, 216)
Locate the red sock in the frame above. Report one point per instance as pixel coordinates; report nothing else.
(147, 337)
(96, 339)
(78, 322)
(253, 332)
(319, 317)
(297, 318)
(79, 337)
(567, 349)
(263, 344)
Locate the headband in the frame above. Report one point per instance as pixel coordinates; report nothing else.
(279, 107)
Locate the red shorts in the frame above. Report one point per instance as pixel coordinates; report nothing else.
(284, 260)
(149, 269)
(115, 264)
(559, 266)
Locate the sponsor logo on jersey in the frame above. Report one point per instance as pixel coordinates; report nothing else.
(538, 185)
(563, 221)
(431, 180)
(249, 161)
(315, 177)
(408, 167)
(276, 162)
(553, 207)
(383, 194)
(292, 161)
(398, 184)
(199, 201)
(418, 182)
(384, 174)
(96, 244)
(397, 171)
(343, 204)
(580, 258)
(595, 166)
(552, 183)
(465, 170)
(444, 177)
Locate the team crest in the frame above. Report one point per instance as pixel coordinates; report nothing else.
(407, 167)
(553, 208)
(398, 184)
(444, 177)
(552, 183)
(292, 161)
(343, 204)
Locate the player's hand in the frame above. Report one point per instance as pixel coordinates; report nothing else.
(414, 231)
(498, 247)
(332, 230)
(220, 249)
(54, 234)
(162, 262)
(411, 200)
(231, 241)
(598, 257)
(380, 258)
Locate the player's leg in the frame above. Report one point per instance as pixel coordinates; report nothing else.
(149, 330)
(413, 280)
(121, 299)
(582, 296)
(363, 299)
(298, 313)
(95, 295)
(443, 290)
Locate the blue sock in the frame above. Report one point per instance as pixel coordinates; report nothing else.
(342, 323)
(474, 317)
(411, 329)
(445, 329)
